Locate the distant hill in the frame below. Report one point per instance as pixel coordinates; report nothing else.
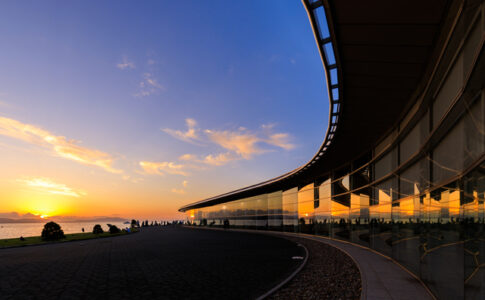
(87, 219)
(7, 220)
(62, 220)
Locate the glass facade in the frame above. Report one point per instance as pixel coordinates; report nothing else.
(435, 231)
(417, 196)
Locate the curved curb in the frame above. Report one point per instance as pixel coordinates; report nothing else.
(321, 238)
(289, 278)
(363, 279)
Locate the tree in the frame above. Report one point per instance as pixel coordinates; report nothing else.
(97, 229)
(113, 229)
(52, 232)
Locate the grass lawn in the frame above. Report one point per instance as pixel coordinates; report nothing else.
(37, 240)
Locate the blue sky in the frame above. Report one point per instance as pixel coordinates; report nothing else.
(129, 79)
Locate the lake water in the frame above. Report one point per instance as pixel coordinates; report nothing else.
(11, 230)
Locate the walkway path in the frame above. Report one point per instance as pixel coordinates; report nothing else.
(157, 263)
(382, 278)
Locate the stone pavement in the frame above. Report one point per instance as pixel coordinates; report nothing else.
(157, 263)
(382, 278)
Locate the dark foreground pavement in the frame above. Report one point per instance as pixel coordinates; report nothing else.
(157, 263)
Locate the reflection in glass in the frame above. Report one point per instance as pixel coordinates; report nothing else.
(290, 209)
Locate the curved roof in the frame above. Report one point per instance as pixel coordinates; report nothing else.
(376, 55)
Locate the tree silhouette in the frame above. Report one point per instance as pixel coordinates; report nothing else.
(97, 229)
(52, 232)
(113, 229)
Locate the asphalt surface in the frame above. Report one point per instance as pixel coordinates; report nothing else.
(156, 263)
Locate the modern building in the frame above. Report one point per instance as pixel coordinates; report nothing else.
(401, 169)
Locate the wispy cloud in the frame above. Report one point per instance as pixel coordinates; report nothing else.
(246, 143)
(239, 144)
(162, 168)
(178, 191)
(125, 64)
(280, 140)
(211, 159)
(149, 86)
(191, 135)
(220, 159)
(60, 145)
(48, 186)
(132, 179)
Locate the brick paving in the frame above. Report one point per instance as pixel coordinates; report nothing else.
(157, 263)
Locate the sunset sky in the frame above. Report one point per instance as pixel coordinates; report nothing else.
(135, 109)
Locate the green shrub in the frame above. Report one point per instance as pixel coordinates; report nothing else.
(97, 229)
(52, 232)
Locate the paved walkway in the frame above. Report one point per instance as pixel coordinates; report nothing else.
(382, 278)
(157, 263)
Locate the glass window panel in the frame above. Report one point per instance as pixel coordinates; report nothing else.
(415, 179)
(306, 202)
(290, 209)
(275, 209)
(329, 55)
(448, 91)
(335, 94)
(385, 143)
(333, 76)
(322, 22)
(386, 164)
(414, 139)
(336, 107)
(461, 146)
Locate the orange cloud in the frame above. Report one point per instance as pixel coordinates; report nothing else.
(240, 143)
(213, 160)
(162, 168)
(280, 140)
(49, 186)
(61, 146)
(243, 143)
(191, 135)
